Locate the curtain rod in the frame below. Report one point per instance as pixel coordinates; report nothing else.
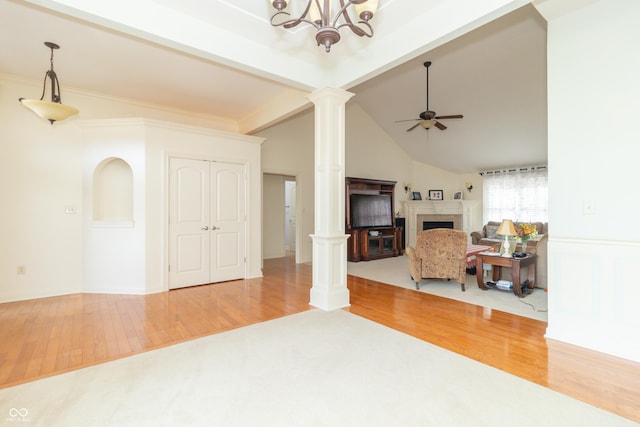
(513, 170)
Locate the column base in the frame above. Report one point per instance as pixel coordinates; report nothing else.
(329, 300)
(329, 288)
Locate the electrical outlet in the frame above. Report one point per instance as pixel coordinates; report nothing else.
(22, 269)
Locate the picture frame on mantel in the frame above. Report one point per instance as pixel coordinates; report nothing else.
(435, 195)
(416, 195)
(457, 195)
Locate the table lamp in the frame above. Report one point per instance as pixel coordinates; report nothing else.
(506, 229)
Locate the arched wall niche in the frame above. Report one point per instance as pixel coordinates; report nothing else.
(113, 191)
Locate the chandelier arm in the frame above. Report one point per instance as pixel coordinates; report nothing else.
(44, 85)
(355, 28)
(343, 12)
(358, 30)
(56, 95)
(290, 23)
(323, 11)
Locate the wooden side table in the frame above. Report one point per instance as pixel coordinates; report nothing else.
(513, 263)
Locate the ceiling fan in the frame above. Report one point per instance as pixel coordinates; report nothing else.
(428, 118)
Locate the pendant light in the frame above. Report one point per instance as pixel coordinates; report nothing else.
(53, 110)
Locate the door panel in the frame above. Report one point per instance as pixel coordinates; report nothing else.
(206, 222)
(228, 221)
(188, 214)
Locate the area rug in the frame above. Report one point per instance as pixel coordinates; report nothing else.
(310, 369)
(395, 271)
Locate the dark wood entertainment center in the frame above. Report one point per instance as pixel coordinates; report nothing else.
(368, 243)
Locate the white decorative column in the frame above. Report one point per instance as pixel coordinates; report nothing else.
(329, 288)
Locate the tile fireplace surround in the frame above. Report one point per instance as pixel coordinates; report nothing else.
(463, 213)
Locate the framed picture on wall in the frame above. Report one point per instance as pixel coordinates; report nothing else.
(457, 195)
(435, 194)
(416, 195)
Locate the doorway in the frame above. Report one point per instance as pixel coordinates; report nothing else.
(290, 216)
(207, 214)
(280, 219)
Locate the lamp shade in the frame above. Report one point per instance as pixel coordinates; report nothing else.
(367, 9)
(427, 124)
(52, 111)
(507, 228)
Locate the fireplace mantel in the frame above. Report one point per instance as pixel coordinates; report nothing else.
(466, 209)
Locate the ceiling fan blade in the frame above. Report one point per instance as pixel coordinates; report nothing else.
(428, 118)
(408, 120)
(453, 116)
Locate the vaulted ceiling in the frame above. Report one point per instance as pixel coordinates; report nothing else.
(223, 60)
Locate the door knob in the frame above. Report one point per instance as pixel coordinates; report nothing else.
(205, 228)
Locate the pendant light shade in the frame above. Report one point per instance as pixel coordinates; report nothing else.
(53, 110)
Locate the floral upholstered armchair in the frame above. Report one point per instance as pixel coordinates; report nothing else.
(440, 253)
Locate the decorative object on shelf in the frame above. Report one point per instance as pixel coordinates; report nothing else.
(318, 13)
(435, 195)
(457, 195)
(506, 229)
(469, 186)
(53, 110)
(526, 231)
(416, 195)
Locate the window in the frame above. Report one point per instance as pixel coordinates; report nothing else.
(519, 194)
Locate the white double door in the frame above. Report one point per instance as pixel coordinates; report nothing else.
(207, 236)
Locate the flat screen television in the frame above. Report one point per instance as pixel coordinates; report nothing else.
(371, 210)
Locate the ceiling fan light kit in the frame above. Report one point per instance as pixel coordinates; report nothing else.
(428, 118)
(318, 14)
(53, 110)
(427, 124)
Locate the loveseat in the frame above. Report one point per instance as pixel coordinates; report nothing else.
(489, 237)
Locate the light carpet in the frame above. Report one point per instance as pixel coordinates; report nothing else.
(395, 271)
(310, 369)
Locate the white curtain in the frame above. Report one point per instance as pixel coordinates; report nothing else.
(518, 194)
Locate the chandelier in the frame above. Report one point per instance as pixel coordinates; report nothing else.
(318, 14)
(50, 110)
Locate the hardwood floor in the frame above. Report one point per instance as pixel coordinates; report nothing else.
(49, 336)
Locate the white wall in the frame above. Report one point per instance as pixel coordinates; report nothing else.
(593, 157)
(166, 140)
(288, 150)
(114, 255)
(42, 171)
(371, 153)
(41, 174)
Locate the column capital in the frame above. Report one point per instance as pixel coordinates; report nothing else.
(340, 95)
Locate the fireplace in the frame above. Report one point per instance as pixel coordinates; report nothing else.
(463, 214)
(430, 225)
(439, 221)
